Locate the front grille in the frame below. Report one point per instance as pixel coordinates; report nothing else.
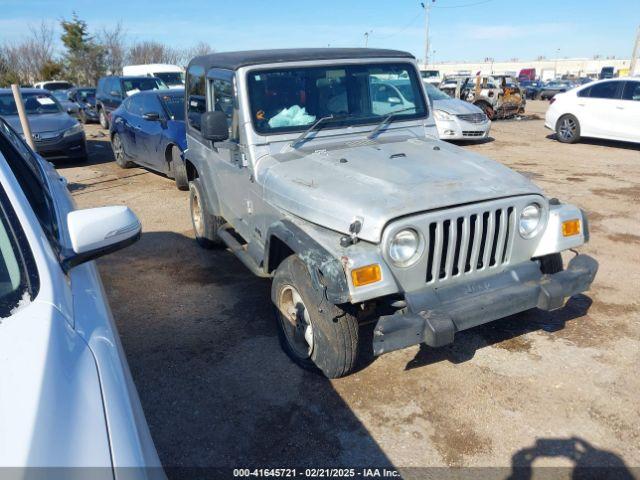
(473, 117)
(472, 133)
(466, 244)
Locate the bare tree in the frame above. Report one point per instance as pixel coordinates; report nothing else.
(27, 58)
(146, 52)
(113, 43)
(200, 48)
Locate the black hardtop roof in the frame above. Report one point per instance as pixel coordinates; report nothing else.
(235, 60)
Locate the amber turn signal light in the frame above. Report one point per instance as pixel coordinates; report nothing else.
(366, 275)
(571, 227)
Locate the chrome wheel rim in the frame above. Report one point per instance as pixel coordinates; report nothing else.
(296, 322)
(117, 148)
(568, 128)
(196, 214)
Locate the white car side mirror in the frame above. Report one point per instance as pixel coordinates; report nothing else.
(98, 231)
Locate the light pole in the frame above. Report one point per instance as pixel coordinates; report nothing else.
(427, 11)
(555, 68)
(366, 38)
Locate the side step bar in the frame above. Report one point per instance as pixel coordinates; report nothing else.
(238, 249)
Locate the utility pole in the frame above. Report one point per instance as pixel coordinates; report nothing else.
(366, 38)
(427, 10)
(636, 54)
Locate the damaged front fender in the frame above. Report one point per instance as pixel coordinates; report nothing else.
(326, 271)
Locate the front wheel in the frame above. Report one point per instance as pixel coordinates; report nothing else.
(205, 224)
(314, 333)
(568, 129)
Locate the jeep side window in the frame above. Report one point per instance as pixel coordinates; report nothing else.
(222, 100)
(196, 95)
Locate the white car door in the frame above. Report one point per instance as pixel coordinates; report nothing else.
(597, 112)
(51, 411)
(629, 107)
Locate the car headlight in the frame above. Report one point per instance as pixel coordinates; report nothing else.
(77, 128)
(442, 115)
(403, 248)
(529, 220)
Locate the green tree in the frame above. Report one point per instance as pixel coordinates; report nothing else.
(51, 70)
(84, 57)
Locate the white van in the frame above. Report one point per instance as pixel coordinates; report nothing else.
(52, 85)
(171, 75)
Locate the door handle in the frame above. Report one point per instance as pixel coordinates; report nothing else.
(581, 104)
(619, 108)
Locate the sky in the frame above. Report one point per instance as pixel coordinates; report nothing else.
(460, 30)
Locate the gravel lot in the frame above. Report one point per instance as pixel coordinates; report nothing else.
(557, 388)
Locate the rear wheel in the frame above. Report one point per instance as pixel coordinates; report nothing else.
(179, 169)
(205, 224)
(568, 129)
(315, 334)
(118, 152)
(104, 121)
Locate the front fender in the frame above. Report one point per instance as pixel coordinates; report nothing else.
(325, 269)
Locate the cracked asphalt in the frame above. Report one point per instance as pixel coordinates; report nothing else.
(559, 388)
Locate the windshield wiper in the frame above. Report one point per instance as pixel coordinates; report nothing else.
(315, 125)
(388, 119)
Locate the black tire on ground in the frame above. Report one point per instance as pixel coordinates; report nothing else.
(568, 129)
(118, 152)
(551, 263)
(487, 109)
(104, 121)
(331, 346)
(179, 169)
(205, 224)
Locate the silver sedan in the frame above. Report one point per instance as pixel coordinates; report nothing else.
(456, 119)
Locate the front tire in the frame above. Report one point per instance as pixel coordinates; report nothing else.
(104, 121)
(205, 224)
(568, 129)
(314, 333)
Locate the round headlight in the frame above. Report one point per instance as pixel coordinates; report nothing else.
(404, 246)
(529, 220)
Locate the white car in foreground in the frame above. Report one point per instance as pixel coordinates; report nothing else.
(67, 399)
(608, 109)
(457, 119)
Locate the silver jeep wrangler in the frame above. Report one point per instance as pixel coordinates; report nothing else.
(312, 173)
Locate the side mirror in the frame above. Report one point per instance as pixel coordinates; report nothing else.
(95, 232)
(394, 100)
(115, 93)
(214, 126)
(151, 116)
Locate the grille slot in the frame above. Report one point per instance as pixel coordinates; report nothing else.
(465, 244)
(473, 117)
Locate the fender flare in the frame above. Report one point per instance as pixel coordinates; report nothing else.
(211, 197)
(326, 271)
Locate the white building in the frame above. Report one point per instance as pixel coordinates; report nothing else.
(583, 67)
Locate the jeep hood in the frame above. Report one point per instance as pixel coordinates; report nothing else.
(383, 181)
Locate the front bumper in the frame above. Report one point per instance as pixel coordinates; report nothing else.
(433, 317)
(73, 146)
(457, 129)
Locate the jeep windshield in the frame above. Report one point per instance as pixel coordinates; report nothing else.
(292, 99)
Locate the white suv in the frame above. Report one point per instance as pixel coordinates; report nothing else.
(607, 109)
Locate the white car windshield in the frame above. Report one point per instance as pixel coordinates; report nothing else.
(292, 99)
